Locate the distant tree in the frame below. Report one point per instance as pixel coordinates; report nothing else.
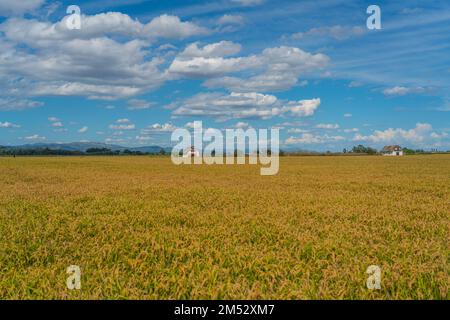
(409, 151)
(362, 149)
(162, 152)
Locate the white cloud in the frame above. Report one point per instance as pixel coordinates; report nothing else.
(328, 126)
(53, 119)
(208, 60)
(158, 128)
(15, 7)
(83, 129)
(348, 115)
(124, 120)
(172, 27)
(190, 125)
(37, 33)
(8, 125)
(142, 139)
(91, 62)
(241, 125)
(229, 23)
(277, 68)
(243, 105)
(35, 137)
(303, 108)
(262, 83)
(228, 19)
(130, 126)
(401, 91)
(442, 135)
(57, 124)
(416, 135)
(214, 50)
(297, 130)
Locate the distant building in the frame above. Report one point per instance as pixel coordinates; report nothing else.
(191, 153)
(392, 151)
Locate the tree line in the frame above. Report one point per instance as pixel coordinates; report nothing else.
(6, 151)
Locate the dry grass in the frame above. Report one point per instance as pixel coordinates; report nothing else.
(140, 227)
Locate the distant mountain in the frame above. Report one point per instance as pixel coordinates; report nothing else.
(83, 146)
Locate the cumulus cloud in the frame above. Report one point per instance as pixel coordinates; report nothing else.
(172, 27)
(297, 130)
(143, 139)
(416, 135)
(208, 61)
(436, 135)
(328, 126)
(8, 125)
(38, 33)
(272, 70)
(35, 137)
(351, 130)
(401, 91)
(228, 19)
(83, 129)
(158, 128)
(229, 23)
(241, 125)
(302, 108)
(14, 7)
(57, 124)
(99, 61)
(98, 68)
(243, 105)
(122, 124)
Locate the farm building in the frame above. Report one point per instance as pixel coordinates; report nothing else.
(191, 153)
(392, 151)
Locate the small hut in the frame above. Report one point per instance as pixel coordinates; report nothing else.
(191, 153)
(392, 151)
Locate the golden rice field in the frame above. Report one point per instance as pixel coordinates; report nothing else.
(141, 227)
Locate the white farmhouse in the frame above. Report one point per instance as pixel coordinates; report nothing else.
(191, 153)
(392, 151)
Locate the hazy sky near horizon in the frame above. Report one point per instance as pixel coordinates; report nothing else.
(137, 69)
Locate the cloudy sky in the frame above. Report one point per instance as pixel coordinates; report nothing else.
(137, 69)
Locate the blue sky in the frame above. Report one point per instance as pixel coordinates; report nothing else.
(136, 70)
